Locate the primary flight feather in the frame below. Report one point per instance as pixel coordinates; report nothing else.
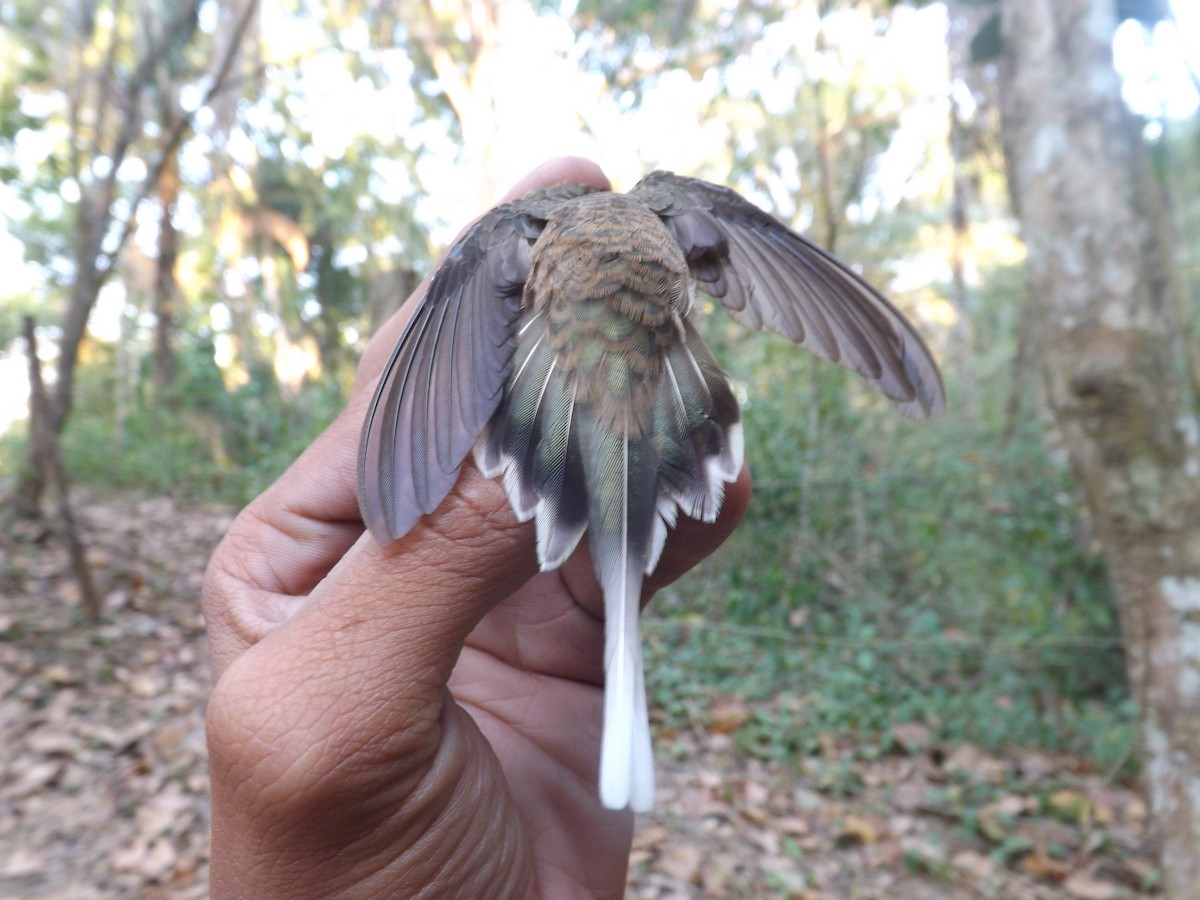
(556, 341)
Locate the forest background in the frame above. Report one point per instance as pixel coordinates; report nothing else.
(209, 206)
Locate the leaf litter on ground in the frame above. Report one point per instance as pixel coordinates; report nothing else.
(104, 783)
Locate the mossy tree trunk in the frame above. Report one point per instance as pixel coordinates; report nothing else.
(1114, 378)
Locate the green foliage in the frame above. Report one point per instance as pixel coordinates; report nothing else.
(891, 571)
(199, 442)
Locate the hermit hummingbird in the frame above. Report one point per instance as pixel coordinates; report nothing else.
(557, 340)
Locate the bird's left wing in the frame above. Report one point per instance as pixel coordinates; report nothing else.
(445, 377)
(768, 275)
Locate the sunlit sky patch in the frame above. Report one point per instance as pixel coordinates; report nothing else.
(1155, 64)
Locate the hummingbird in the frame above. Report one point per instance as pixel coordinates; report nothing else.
(557, 342)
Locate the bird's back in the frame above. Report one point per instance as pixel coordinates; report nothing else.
(613, 284)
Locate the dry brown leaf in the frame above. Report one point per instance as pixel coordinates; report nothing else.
(726, 715)
(755, 795)
(1036, 765)
(115, 600)
(48, 742)
(681, 862)
(828, 743)
(172, 734)
(1141, 871)
(995, 820)
(697, 803)
(792, 825)
(970, 760)
(1040, 865)
(58, 674)
(30, 778)
(720, 743)
(992, 826)
(68, 592)
(857, 830)
(1135, 812)
(900, 825)
(877, 774)
(1084, 887)
(912, 737)
(652, 835)
(118, 739)
(766, 842)
(908, 795)
(147, 684)
(23, 861)
(1070, 806)
(972, 864)
(757, 816)
(152, 859)
(1013, 805)
(1102, 813)
(807, 800)
(718, 873)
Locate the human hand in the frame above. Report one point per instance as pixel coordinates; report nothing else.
(421, 719)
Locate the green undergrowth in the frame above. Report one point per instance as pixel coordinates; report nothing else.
(198, 441)
(891, 572)
(894, 573)
(802, 693)
(887, 571)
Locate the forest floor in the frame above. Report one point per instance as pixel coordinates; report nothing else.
(104, 784)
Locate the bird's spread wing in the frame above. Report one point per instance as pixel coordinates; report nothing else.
(445, 377)
(768, 275)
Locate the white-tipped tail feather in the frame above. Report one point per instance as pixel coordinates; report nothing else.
(626, 757)
(624, 485)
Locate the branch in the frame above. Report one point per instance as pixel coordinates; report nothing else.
(103, 94)
(425, 31)
(131, 125)
(174, 137)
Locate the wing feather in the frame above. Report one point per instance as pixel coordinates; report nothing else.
(404, 467)
(444, 379)
(769, 275)
(510, 442)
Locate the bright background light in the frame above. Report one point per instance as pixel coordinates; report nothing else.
(575, 112)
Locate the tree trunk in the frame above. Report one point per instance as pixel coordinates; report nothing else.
(48, 443)
(829, 210)
(107, 120)
(963, 21)
(52, 414)
(166, 291)
(1111, 373)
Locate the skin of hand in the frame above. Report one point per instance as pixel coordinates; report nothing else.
(417, 720)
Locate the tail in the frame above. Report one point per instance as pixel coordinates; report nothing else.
(622, 473)
(625, 487)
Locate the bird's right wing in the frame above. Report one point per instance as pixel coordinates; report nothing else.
(444, 380)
